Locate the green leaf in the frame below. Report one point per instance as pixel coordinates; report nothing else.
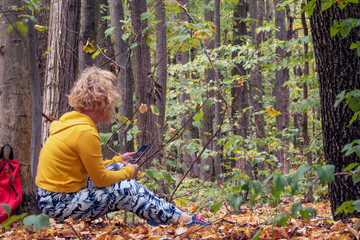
(350, 166)
(37, 221)
(150, 172)
(6, 208)
(345, 30)
(309, 8)
(357, 205)
(95, 54)
(167, 176)
(356, 177)
(235, 201)
(282, 219)
(326, 174)
(196, 124)
(296, 208)
(334, 29)
(14, 218)
(339, 98)
(280, 182)
(198, 116)
(257, 186)
(216, 206)
(345, 207)
(354, 45)
(155, 110)
(145, 15)
(295, 183)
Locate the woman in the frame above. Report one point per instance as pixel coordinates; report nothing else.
(73, 179)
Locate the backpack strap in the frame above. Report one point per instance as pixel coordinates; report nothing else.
(11, 154)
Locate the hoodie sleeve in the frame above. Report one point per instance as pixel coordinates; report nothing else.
(113, 160)
(89, 150)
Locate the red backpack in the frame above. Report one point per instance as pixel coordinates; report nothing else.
(10, 184)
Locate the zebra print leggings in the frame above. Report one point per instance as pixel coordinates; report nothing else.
(92, 202)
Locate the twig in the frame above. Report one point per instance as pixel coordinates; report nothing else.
(203, 150)
(77, 234)
(314, 138)
(217, 220)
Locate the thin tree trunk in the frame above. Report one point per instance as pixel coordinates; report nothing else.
(219, 112)
(207, 164)
(126, 84)
(36, 101)
(87, 33)
(305, 131)
(281, 92)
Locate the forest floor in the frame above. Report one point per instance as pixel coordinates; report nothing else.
(224, 225)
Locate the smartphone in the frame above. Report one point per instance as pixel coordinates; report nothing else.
(139, 154)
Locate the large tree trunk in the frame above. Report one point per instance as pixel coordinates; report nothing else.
(281, 92)
(338, 69)
(240, 92)
(16, 97)
(148, 133)
(256, 89)
(61, 63)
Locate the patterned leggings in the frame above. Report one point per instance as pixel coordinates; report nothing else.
(92, 202)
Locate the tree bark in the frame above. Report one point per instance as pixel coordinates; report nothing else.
(338, 69)
(240, 92)
(87, 33)
(16, 97)
(62, 59)
(305, 131)
(207, 164)
(256, 89)
(148, 133)
(126, 84)
(36, 101)
(281, 92)
(161, 72)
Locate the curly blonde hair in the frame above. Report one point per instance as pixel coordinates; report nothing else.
(95, 90)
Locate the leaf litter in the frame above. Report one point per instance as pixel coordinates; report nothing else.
(225, 224)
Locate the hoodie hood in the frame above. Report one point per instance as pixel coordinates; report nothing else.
(69, 120)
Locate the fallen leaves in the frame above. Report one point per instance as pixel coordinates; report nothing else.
(225, 225)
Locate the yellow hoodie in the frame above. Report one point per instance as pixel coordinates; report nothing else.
(72, 153)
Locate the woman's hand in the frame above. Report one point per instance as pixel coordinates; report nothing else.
(136, 168)
(126, 157)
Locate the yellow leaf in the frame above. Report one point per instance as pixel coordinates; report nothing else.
(212, 28)
(201, 34)
(89, 47)
(40, 28)
(328, 221)
(143, 108)
(272, 112)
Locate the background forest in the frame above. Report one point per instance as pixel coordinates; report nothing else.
(249, 101)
